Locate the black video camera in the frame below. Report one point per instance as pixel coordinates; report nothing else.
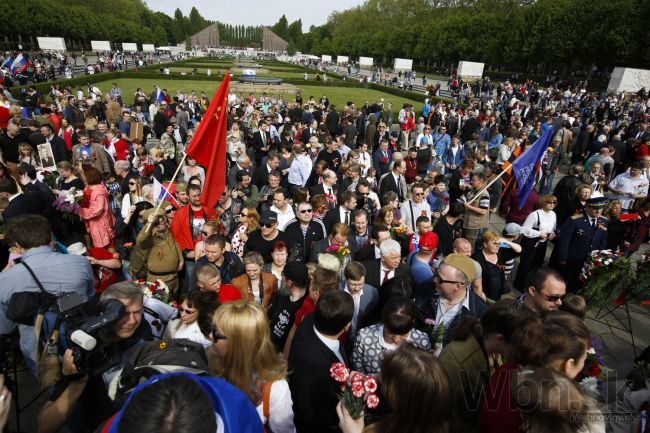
(84, 325)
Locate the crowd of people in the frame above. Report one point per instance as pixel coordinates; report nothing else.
(340, 236)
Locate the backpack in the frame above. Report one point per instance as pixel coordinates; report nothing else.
(157, 357)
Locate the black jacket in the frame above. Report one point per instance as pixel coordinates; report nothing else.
(313, 391)
(303, 243)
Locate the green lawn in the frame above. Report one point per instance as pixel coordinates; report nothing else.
(336, 95)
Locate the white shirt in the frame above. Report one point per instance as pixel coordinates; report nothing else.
(280, 408)
(356, 297)
(418, 209)
(383, 276)
(300, 170)
(342, 211)
(547, 222)
(332, 345)
(283, 217)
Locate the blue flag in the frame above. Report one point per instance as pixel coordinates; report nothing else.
(525, 167)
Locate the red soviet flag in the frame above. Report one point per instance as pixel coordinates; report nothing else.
(208, 147)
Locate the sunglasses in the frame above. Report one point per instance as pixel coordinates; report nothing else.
(169, 211)
(306, 210)
(182, 310)
(551, 202)
(554, 298)
(206, 234)
(418, 193)
(242, 215)
(267, 225)
(216, 335)
(132, 183)
(441, 281)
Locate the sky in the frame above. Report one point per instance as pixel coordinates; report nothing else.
(257, 12)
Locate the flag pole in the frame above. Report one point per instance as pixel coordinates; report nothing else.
(482, 190)
(160, 202)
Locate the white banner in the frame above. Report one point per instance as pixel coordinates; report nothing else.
(403, 64)
(342, 60)
(365, 61)
(129, 46)
(326, 59)
(470, 69)
(57, 44)
(100, 45)
(148, 47)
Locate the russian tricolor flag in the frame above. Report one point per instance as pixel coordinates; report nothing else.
(19, 64)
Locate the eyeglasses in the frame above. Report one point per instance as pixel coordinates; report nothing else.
(267, 225)
(169, 211)
(216, 335)
(306, 210)
(554, 298)
(204, 233)
(551, 202)
(132, 183)
(441, 281)
(182, 310)
(242, 215)
(418, 193)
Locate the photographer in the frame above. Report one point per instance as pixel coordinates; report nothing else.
(244, 191)
(57, 273)
(86, 394)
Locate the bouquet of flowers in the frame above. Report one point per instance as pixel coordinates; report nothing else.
(592, 375)
(49, 179)
(68, 203)
(156, 290)
(436, 333)
(340, 251)
(400, 232)
(606, 276)
(357, 389)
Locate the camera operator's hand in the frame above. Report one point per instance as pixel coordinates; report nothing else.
(69, 368)
(5, 403)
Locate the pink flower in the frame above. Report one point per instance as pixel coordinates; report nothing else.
(372, 401)
(339, 372)
(370, 384)
(356, 377)
(358, 389)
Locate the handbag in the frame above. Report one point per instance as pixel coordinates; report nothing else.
(23, 307)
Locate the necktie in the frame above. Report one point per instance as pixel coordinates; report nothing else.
(347, 218)
(263, 137)
(593, 223)
(399, 186)
(386, 272)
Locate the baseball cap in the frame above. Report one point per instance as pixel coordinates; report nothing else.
(296, 272)
(428, 241)
(269, 217)
(77, 249)
(462, 263)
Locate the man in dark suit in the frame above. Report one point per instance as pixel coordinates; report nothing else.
(314, 349)
(379, 233)
(361, 231)
(580, 235)
(328, 188)
(307, 133)
(469, 127)
(304, 231)
(365, 296)
(261, 174)
(262, 142)
(382, 158)
(343, 212)
(395, 181)
(19, 204)
(332, 120)
(338, 237)
(388, 266)
(57, 144)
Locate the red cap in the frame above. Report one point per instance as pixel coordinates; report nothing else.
(428, 241)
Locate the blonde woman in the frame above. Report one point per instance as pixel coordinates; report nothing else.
(242, 353)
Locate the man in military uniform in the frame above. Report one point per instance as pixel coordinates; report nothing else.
(161, 253)
(580, 235)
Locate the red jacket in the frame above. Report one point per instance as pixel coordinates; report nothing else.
(411, 170)
(180, 227)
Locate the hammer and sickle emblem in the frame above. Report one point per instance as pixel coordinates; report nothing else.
(216, 115)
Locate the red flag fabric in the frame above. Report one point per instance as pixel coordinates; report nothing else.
(208, 147)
